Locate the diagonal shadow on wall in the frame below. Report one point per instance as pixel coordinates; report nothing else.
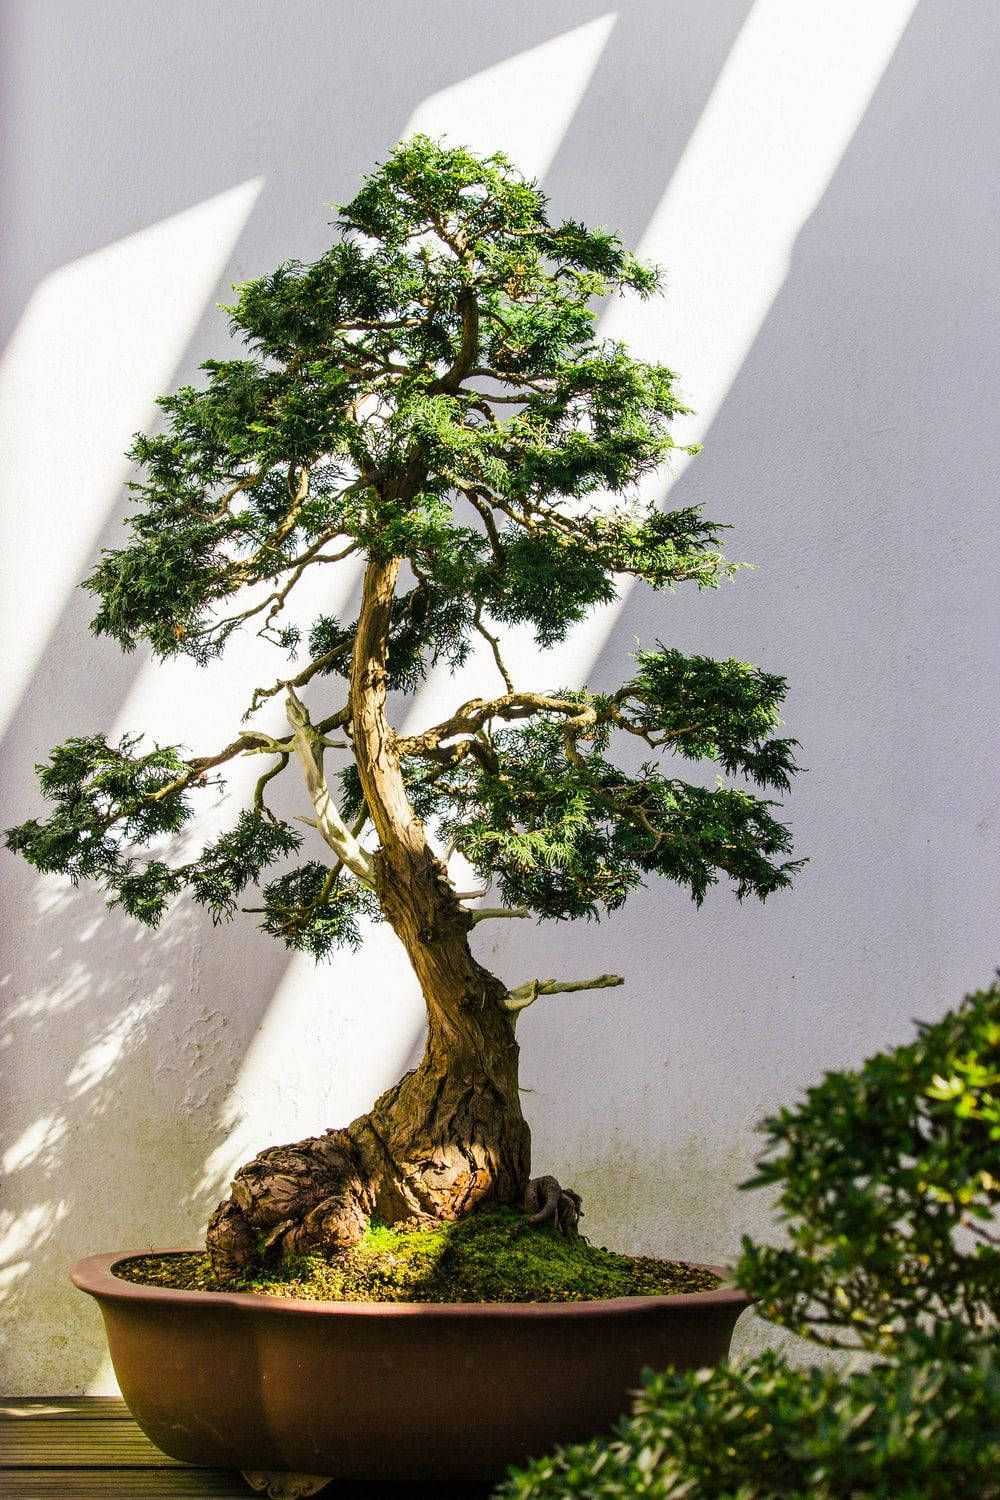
(856, 456)
(167, 108)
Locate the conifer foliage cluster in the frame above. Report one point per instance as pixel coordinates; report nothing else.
(432, 388)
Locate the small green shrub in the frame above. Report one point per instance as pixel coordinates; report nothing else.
(916, 1430)
(889, 1181)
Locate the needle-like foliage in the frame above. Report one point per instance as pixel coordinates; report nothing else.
(432, 389)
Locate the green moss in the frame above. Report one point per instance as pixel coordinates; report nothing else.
(493, 1256)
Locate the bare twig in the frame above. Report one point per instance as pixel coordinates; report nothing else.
(527, 994)
(489, 913)
(477, 620)
(275, 770)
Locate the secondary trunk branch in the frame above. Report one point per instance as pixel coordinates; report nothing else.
(308, 745)
(527, 994)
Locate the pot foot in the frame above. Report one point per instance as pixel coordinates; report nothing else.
(285, 1486)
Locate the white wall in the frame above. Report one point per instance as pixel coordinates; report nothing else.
(820, 182)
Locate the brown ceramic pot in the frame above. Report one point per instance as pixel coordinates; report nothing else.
(387, 1391)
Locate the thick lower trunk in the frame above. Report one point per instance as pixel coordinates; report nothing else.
(450, 1136)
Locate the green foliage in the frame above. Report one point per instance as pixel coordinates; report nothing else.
(570, 837)
(718, 710)
(763, 1430)
(432, 389)
(547, 581)
(108, 798)
(313, 911)
(493, 1255)
(889, 1178)
(237, 859)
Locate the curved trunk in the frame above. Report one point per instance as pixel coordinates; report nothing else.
(450, 1135)
(457, 1120)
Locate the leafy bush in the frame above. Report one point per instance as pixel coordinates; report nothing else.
(889, 1179)
(914, 1430)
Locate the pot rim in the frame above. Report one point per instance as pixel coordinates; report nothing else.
(93, 1274)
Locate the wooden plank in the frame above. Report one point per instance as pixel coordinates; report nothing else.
(79, 1447)
(133, 1484)
(81, 1433)
(64, 1407)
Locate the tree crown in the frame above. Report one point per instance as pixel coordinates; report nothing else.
(432, 389)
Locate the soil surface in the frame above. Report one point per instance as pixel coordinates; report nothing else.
(491, 1256)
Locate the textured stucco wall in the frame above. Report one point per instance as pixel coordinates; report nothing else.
(820, 182)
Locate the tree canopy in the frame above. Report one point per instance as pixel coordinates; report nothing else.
(431, 389)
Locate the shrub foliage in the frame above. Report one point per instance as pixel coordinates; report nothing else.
(889, 1177)
(921, 1429)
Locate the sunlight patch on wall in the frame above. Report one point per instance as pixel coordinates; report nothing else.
(31, 1144)
(120, 1037)
(98, 340)
(334, 1036)
(21, 1235)
(783, 112)
(103, 1381)
(522, 106)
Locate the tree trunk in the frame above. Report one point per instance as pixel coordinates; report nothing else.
(450, 1135)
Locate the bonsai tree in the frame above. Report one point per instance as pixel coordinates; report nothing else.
(429, 398)
(889, 1178)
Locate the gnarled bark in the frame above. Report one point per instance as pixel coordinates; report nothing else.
(450, 1135)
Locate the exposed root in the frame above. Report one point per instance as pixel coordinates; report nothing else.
(317, 1197)
(547, 1201)
(431, 1149)
(314, 1195)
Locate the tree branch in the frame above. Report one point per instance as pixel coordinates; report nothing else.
(308, 746)
(487, 635)
(482, 507)
(253, 742)
(275, 770)
(469, 345)
(527, 994)
(488, 913)
(471, 716)
(318, 664)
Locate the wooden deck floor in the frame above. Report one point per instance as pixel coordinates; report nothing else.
(79, 1447)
